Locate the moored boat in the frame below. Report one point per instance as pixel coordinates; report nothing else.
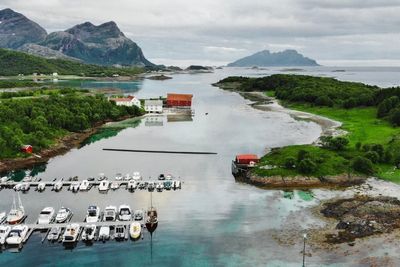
(17, 235)
(25, 187)
(104, 186)
(41, 187)
(54, 234)
(89, 233)
(118, 177)
(152, 217)
(120, 232)
(46, 215)
(132, 185)
(63, 215)
(142, 185)
(74, 187)
(115, 185)
(58, 185)
(151, 186)
(71, 233)
(136, 176)
(102, 177)
(160, 187)
(104, 233)
(124, 213)
(17, 213)
(110, 214)
(135, 230)
(4, 231)
(138, 215)
(161, 177)
(84, 186)
(93, 214)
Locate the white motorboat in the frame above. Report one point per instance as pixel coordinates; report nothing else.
(119, 177)
(136, 176)
(54, 234)
(115, 185)
(120, 232)
(151, 186)
(63, 215)
(27, 179)
(58, 185)
(93, 214)
(17, 213)
(124, 213)
(84, 186)
(74, 187)
(142, 185)
(135, 230)
(3, 216)
(104, 186)
(41, 187)
(46, 215)
(71, 233)
(160, 187)
(17, 235)
(132, 185)
(4, 231)
(104, 233)
(138, 215)
(25, 187)
(176, 184)
(18, 187)
(89, 233)
(168, 177)
(110, 214)
(102, 177)
(4, 179)
(127, 177)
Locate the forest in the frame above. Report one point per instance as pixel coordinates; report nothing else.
(40, 121)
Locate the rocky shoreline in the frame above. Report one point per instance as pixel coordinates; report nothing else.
(303, 182)
(62, 146)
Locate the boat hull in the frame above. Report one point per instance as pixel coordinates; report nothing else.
(151, 226)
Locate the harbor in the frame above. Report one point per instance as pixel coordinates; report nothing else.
(74, 184)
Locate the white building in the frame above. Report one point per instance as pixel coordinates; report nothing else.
(128, 101)
(153, 106)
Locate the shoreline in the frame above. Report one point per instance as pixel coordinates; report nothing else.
(62, 146)
(328, 126)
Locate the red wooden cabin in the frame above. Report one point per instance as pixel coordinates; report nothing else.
(179, 100)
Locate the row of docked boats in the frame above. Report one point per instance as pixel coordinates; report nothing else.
(131, 182)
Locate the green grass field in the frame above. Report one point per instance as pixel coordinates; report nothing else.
(362, 126)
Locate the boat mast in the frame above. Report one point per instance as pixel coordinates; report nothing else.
(151, 200)
(20, 202)
(14, 206)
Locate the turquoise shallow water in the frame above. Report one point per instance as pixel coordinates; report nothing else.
(213, 220)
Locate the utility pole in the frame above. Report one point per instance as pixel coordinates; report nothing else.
(304, 249)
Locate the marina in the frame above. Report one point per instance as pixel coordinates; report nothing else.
(74, 185)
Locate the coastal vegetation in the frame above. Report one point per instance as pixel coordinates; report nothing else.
(41, 121)
(13, 63)
(370, 116)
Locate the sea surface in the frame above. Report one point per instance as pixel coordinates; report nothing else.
(213, 220)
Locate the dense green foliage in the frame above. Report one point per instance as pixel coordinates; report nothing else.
(41, 92)
(14, 84)
(13, 63)
(40, 121)
(368, 114)
(321, 91)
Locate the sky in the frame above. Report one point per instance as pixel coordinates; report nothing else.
(216, 32)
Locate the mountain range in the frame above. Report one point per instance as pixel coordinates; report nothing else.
(265, 58)
(104, 44)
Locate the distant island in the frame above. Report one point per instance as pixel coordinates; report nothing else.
(265, 58)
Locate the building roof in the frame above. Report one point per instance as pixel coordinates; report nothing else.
(180, 97)
(153, 102)
(247, 157)
(123, 99)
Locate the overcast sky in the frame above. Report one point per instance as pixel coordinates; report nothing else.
(183, 32)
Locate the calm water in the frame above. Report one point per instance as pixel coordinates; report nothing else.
(212, 221)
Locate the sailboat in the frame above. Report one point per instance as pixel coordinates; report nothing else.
(151, 220)
(16, 214)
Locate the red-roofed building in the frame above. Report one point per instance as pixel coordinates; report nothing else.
(179, 100)
(246, 159)
(128, 101)
(27, 149)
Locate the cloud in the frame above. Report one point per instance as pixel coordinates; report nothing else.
(223, 30)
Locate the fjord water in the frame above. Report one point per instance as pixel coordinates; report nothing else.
(213, 220)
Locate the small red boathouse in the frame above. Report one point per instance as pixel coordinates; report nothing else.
(179, 100)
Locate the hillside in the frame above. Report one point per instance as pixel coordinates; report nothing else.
(287, 58)
(17, 30)
(13, 63)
